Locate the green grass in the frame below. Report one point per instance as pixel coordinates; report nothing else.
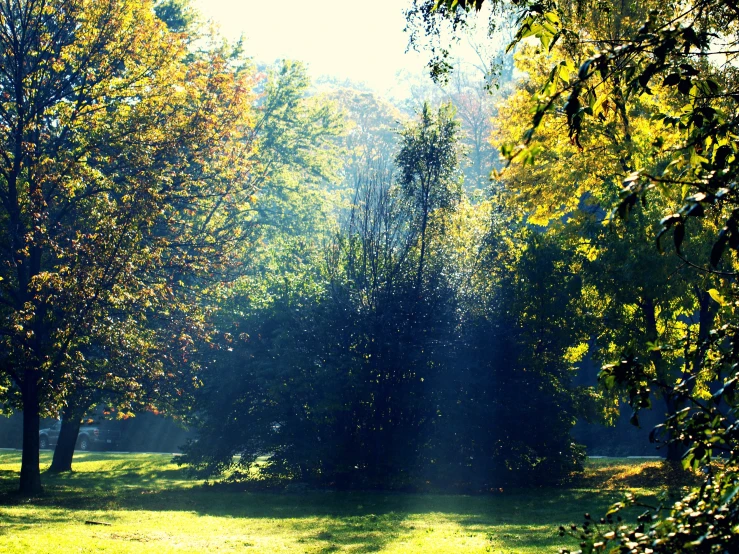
(152, 507)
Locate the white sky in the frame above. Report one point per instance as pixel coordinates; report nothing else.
(361, 40)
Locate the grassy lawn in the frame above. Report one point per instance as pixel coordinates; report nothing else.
(152, 507)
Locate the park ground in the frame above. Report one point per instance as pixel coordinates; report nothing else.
(145, 503)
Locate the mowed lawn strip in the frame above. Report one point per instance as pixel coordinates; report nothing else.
(151, 506)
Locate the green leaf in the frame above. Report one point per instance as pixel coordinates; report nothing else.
(730, 494)
(671, 80)
(552, 18)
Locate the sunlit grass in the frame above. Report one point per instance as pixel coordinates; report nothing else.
(151, 506)
(635, 474)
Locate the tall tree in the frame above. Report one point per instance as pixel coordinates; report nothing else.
(569, 191)
(109, 141)
(684, 52)
(428, 171)
(353, 376)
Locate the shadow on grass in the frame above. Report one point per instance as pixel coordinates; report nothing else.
(16, 523)
(152, 482)
(327, 521)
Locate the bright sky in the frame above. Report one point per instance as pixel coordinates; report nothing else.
(357, 39)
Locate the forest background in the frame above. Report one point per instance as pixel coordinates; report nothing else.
(325, 277)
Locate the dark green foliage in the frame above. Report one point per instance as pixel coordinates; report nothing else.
(524, 384)
(179, 15)
(383, 368)
(344, 395)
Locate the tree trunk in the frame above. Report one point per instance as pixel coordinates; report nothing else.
(30, 482)
(705, 323)
(674, 450)
(64, 451)
(422, 256)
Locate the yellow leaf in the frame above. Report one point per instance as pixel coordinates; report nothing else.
(717, 296)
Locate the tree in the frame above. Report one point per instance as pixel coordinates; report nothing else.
(178, 15)
(567, 192)
(675, 49)
(179, 18)
(592, 77)
(475, 109)
(289, 157)
(289, 228)
(428, 165)
(112, 146)
(352, 376)
(524, 323)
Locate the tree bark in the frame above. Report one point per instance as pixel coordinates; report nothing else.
(422, 256)
(30, 481)
(64, 451)
(674, 450)
(705, 323)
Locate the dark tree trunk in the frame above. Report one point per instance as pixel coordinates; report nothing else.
(674, 450)
(30, 482)
(422, 256)
(64, 451)
(705, 323)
